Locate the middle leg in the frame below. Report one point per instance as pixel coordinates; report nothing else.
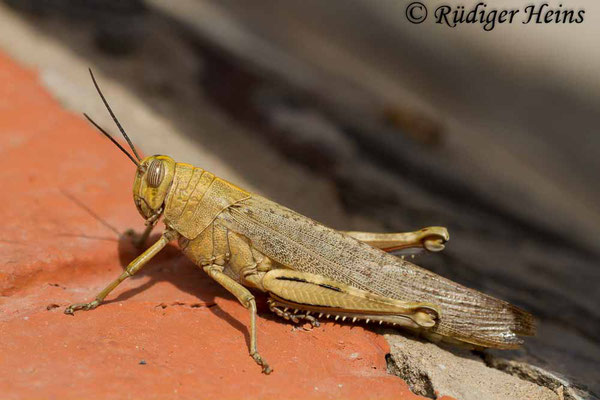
(247, 299)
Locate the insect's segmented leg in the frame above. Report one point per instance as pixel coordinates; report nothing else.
(295, 317)
(247, 299)
(431, 238)
(320, 294)
(131, 269)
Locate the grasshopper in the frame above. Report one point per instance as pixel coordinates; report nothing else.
(243, 240)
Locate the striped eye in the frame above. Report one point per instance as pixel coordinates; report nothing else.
(156, 173)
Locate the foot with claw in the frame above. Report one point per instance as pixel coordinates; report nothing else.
(295, 317)
(81, 306)
(259, 360)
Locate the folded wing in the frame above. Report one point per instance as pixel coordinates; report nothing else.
(303, 244)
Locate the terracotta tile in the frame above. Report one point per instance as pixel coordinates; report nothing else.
(168, 333)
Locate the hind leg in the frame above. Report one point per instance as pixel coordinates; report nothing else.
(432, 238)
(320, 295)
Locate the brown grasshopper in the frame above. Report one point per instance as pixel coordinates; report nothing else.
(309, 271)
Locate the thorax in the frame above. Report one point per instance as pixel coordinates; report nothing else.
(196, 198)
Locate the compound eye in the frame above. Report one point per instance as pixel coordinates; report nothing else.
(156, 173)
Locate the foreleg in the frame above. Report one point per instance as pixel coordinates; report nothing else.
(131, 269)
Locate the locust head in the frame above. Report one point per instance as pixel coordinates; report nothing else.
(153, 179)
(154, 174)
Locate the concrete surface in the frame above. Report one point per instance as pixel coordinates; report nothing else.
(432, 369)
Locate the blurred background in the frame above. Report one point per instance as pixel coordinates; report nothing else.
(350, 114)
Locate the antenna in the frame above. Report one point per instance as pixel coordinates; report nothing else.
(111, 139)
(113, 117)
